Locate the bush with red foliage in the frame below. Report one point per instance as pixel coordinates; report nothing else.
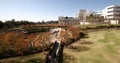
(13, 43)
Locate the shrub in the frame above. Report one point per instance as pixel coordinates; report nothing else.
(37, 60)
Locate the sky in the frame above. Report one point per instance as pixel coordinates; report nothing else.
(38, 10)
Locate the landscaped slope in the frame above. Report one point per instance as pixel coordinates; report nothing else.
(18, 42)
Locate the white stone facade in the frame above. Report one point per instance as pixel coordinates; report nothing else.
(111, 14)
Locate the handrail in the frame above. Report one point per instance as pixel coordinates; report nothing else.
(52, 56)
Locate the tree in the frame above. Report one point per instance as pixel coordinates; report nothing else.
(95, 18)
(1, 24)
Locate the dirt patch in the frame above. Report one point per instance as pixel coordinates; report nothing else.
(83, 42)
(68, 58)
(78, 48)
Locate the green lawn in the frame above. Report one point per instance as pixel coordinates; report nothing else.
(99, 47)
(105, 48)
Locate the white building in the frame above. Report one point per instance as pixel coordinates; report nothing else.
(99, 13)
(81, 15)
(111, 14)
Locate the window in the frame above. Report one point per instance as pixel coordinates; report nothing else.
(110, 11)
(110, 15)
(117, 15)
(114, 11)
(110, 7)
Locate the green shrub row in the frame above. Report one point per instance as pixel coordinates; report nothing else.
(100, 27)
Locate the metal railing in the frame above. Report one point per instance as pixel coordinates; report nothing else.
(52, 56)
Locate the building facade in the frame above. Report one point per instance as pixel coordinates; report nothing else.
(68, 20)
(111, 14)
(81, 16)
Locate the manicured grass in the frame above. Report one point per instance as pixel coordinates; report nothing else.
(104, 49)
(111, 36)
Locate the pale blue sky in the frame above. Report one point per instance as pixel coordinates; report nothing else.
(37, 10)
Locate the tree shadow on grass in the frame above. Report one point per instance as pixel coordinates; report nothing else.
(83, 42)
(79, 48)
(65, 58)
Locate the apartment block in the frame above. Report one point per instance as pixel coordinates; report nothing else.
(111, 14)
